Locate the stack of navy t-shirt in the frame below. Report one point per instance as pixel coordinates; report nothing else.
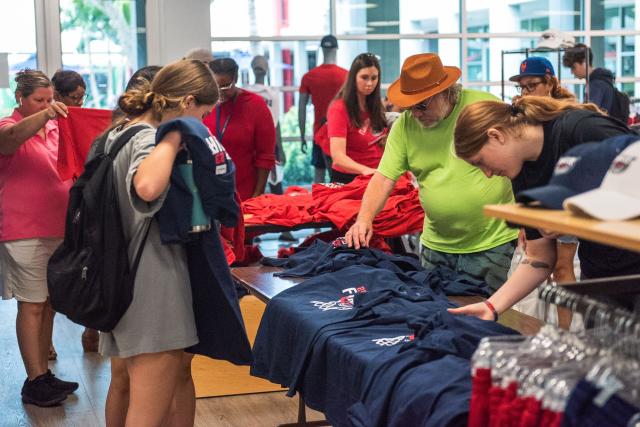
(367, 321)
(323, 257)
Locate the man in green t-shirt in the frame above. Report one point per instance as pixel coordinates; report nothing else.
(456, 234)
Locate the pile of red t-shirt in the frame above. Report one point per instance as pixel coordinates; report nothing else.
(287, 210)
(402, 213)
(496, 406)
(338, 204)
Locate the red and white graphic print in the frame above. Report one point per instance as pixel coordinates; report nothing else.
(391, 341)
(344, 303)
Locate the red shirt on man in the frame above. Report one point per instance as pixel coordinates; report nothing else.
(245, 128)
(322, 83)
(361, 142)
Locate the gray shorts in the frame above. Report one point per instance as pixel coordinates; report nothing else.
(490, 266)
(24, 268)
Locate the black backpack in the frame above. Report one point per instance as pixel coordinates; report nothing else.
(621, 106)
(89, 276)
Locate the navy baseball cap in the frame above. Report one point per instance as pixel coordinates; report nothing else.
(579, 170)
(329, 42)
(534, 66)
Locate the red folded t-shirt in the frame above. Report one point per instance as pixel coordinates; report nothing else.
(77, 132)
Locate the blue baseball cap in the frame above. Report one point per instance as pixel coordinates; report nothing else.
(579, 170)
(534, 66)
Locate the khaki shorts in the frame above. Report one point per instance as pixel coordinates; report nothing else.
(23, 264)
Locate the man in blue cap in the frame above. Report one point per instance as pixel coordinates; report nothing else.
(538, 78)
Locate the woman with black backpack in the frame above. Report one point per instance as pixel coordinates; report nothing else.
(151, 336)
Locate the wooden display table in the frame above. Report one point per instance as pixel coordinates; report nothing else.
(261, 282)
(620, 234)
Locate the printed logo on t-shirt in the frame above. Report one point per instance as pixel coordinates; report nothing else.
(339, 242)
(333, 185)
(621, 163)
(564, 165)
(344, 303)
(219, 158)
(214, 145)
(365, 127)
(391, 341)
(220, 155)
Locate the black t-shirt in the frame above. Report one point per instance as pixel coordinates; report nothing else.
(561, 134)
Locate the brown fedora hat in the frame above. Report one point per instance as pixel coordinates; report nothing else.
(422, 76)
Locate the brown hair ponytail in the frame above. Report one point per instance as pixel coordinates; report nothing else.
(170, 86)
(473, 122)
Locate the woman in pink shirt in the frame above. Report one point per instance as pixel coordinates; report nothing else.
(356, 123)
(33, 202)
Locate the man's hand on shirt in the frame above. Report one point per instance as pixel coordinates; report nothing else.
(359, 234)
(369, 171)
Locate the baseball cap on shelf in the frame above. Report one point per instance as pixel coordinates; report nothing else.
(329, 42)
(618, 197)
(579, 170)
(554, 39)
(534, 66)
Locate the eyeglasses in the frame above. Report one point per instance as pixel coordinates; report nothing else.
(227, 87)
(423, 106)
(78, 98)
(529, 87)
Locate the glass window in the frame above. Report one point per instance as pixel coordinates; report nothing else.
(447, 49)
(242, 18)
(288, 62)
(484, 58)
(615, 53)
(613, 15)
(523, 15)
(18, 41)
(100, 41)
(396, 16)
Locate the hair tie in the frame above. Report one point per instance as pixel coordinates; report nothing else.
(148, 98)
(515, 110)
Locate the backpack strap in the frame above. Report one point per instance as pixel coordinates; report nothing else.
(136, 259)
(122, 140)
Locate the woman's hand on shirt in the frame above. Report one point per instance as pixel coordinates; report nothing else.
(55, 110)
(479, 310)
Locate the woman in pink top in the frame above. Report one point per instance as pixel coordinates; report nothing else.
(33, 202)
(356, 123)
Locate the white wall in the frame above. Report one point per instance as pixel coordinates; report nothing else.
(174, 27)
